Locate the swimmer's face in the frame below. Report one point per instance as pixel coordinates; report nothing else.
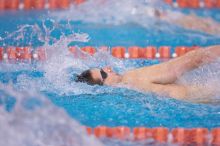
(106, 75)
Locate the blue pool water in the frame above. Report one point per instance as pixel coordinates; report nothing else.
(93, 106)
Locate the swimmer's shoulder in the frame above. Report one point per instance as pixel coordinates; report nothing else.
(136, 76)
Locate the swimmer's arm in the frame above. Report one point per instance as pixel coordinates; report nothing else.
(194, 22)
(169, 72)
(191, 21)
(199, 94)
(170, 90)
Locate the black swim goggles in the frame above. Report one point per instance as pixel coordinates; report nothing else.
(103, 74)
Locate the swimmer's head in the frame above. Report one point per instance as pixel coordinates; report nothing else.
(104, 76)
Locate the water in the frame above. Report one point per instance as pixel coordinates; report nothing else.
(42, 100)
(30, 115)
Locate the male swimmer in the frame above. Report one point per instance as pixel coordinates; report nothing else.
(160, 79)
(188, 21)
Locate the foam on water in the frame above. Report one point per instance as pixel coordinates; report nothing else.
(43, 123)
(33, 120)
(207, 79)
(143, 13)
(61, 66)
(107, 12)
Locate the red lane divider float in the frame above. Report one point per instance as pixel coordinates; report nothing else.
(134, 52)
(138, 52)
(212, 3)
(188, 3)
(180, 136)
(199, 136)
(103, 131)
(215, 136)
(194, 3)
(160, 134)
(37, 4)
(195, 136)
(150, 52)
(181, 50)
(122, 133)
(77, 2)
(13, 54)
(9, 4)
(12, 4)
(119, 52)
(164, 52)
(55, 4)
(1, 53)
(90, 50)
(59, 4)
(89, 130)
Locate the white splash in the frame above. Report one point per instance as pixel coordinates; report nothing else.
(206, 80)
(35, 121)
(61, 66)
(147, 13)
(111, 11)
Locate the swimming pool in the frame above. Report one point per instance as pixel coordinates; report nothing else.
(31, 85)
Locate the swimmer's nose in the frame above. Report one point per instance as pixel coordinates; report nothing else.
(107, 69)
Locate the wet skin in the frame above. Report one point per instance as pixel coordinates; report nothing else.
(161, 79)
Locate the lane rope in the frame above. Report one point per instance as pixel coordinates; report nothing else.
(37, 4)
(194, 3)
(197, 136)
(193, 136)
(63, 4)
(10, 54)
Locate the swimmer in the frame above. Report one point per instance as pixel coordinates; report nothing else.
(190, 21)
(160, 79)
